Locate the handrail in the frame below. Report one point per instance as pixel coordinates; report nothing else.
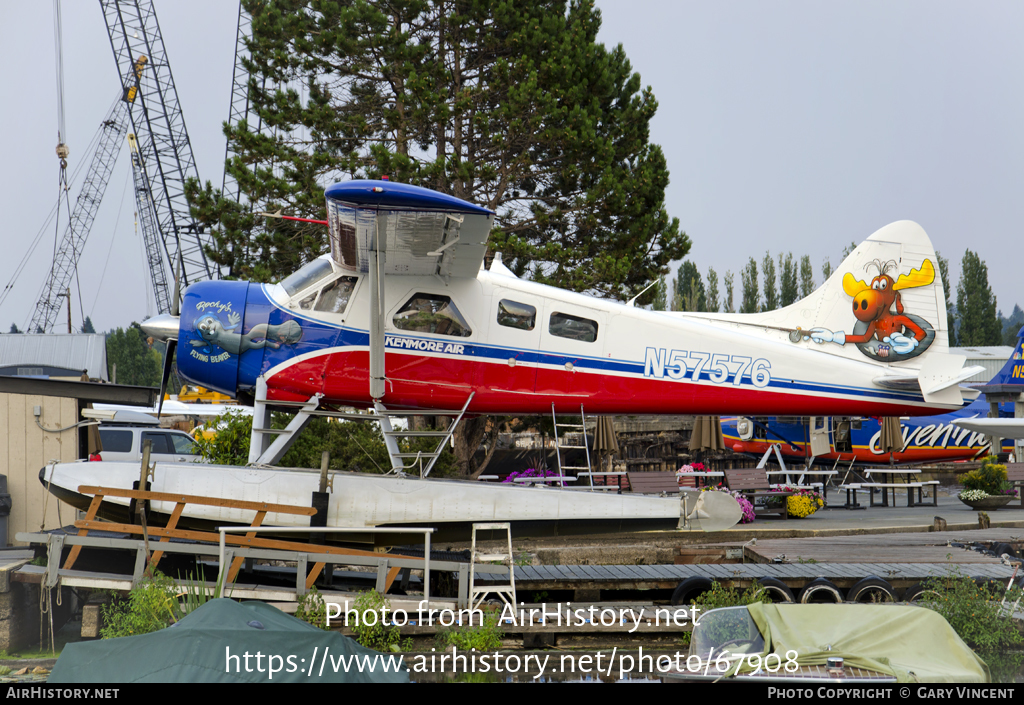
(427, 531)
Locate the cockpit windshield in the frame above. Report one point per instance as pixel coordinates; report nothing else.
(306, 277)
(727, 629)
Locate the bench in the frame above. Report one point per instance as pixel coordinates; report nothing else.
(655, 482)
(753, 483)
(1015, 476)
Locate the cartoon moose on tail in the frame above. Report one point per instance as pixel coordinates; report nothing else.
(873, 304)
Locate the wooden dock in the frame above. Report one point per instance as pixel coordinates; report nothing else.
(931, 547)
(599, 579)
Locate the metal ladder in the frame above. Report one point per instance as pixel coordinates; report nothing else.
(582, 428)
(477, 594)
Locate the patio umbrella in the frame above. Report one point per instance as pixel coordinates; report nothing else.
(891, 439)
(707, 434)
(605, 442)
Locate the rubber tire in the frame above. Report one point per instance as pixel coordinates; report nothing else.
(915, 591)
(689, 589)
(820, 587)
(1000, 548)
(870, 585)
(777, 590)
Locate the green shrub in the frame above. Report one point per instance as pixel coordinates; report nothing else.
(150, 606)
(484, 637)
(974, 611)
(313, 610)
(377, 636)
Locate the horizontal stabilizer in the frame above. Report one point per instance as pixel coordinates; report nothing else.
(940, 377)
(1002, 428)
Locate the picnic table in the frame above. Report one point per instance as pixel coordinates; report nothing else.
(891, 478)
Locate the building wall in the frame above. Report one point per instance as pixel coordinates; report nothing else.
(25, 449)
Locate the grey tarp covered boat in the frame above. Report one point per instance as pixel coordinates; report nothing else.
(866, 642)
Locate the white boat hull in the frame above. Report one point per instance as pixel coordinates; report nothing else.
(360, 499)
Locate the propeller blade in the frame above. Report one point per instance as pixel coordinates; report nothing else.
(166, 374)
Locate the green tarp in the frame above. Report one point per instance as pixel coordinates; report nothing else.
(210, 646)
(908, 642)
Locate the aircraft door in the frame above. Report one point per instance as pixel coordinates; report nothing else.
(572, 343)
(515, 325)
(820, 444)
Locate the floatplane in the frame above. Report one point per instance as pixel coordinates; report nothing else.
(857, 440)
(402, 317)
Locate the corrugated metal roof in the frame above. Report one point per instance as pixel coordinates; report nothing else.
(74, 352)
(991, 357)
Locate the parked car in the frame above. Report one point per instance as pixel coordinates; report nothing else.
(122, 439)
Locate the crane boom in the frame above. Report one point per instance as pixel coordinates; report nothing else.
(164, 150)
(69, 250)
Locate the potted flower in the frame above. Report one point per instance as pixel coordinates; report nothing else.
(745, 504)
(986, 487)
(802, 503)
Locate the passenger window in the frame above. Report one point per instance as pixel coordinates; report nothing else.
(160, 444)
(183, 444)
(334, 297)
(516, 315)
(431, 313)
(573, 327)
(307, 303)
(116, 441)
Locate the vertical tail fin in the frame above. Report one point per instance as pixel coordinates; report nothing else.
(1013, 370)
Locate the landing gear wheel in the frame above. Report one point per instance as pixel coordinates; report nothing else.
(689, 589)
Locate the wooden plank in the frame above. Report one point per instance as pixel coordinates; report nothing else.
(230, 539)
(197, 499)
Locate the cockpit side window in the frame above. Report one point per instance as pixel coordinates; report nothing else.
(432, 313)
(516, 315)
(306, 277)
(334, 297)
(573, 327)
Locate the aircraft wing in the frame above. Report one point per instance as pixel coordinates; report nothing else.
(419, 231)
(1001, 428)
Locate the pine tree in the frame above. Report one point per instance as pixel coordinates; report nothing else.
(748, 276)
(806, 277)
(771, 291)
(136, 362)
(87, 326)
(728, 305)
(976, 304)
(690, 288)
(712, 293)
(14, 329)
(826, 269)
(788, 286)
(660, 295)
(513, 106)
(950, 310)
(1012, 326)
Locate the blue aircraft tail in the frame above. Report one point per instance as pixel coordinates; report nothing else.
(1013, 370)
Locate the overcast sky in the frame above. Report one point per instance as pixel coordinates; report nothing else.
(788, 127)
